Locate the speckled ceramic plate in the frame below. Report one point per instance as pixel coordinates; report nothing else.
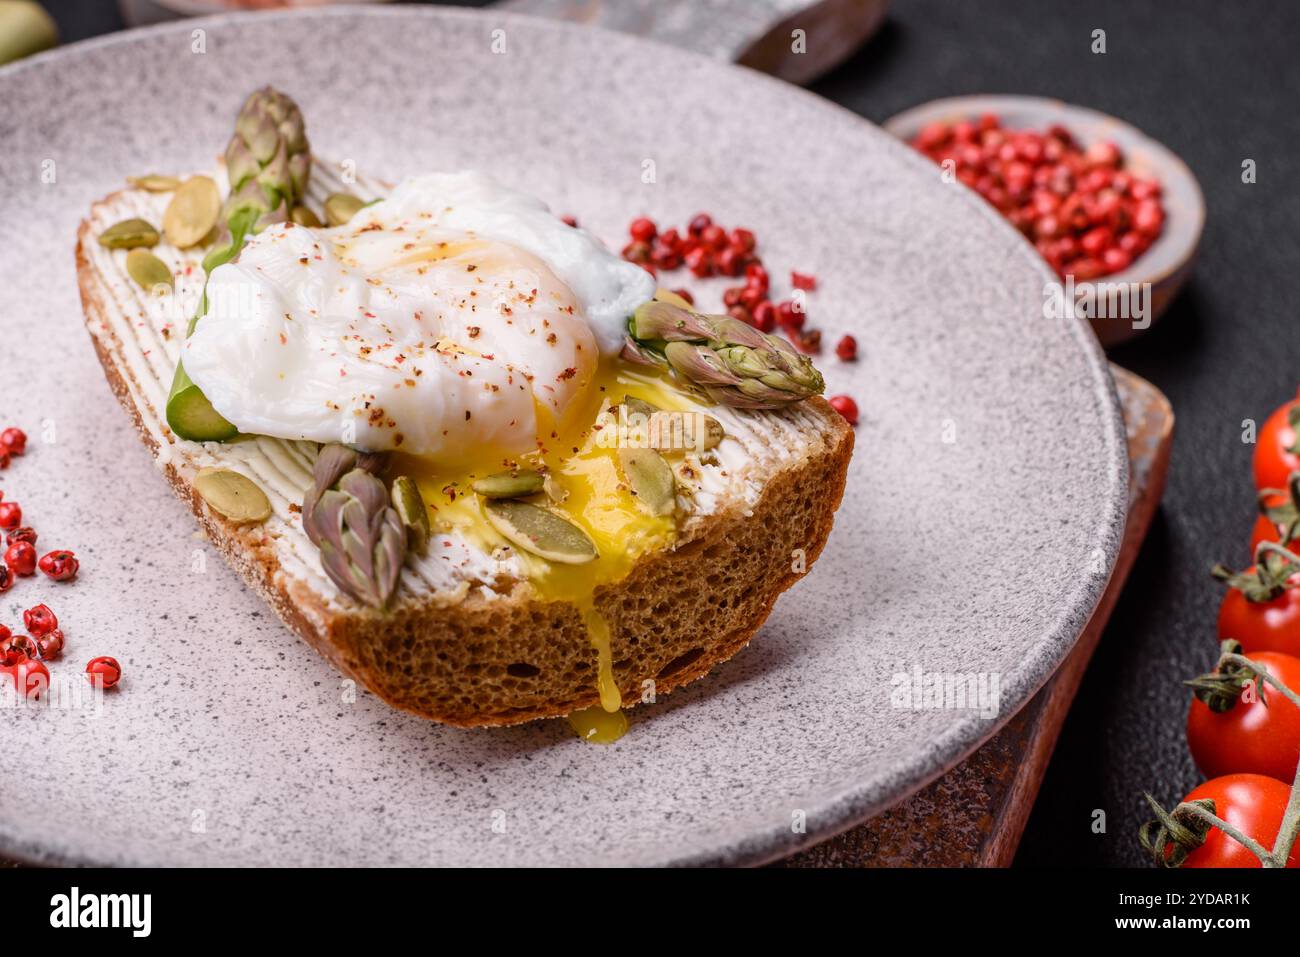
(986, 498)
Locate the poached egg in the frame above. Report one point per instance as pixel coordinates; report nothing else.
(457, 320)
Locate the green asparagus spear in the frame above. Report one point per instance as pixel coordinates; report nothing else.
(268, 161)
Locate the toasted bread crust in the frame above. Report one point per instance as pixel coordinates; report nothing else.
(490, 660)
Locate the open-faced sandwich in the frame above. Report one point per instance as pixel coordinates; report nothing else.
(474, 458)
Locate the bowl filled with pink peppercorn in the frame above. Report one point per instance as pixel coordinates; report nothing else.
(1115, 215)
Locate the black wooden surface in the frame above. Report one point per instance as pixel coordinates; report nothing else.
(1216, 82)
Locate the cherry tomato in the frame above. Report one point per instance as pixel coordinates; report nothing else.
(1260, 736)
(1251, 803)
(1274, 461)
(1268, 530)
(1264, 531)
(1262, 625)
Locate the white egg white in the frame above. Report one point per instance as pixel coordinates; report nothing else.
(440, 321)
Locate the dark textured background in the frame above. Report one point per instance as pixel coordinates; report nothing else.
(1216, 82)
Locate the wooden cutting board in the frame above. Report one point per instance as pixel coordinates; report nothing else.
(974, 815)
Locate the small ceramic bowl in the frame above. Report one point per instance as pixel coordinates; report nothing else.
(1168, 262)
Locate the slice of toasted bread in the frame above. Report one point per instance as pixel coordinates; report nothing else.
(468, 642)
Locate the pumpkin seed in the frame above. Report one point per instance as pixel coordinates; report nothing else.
(413, 512)
(305, 217)
(651, 479)
(192, 212)
(540, 532)
(147, 269)
(682, 431)
(154, 182)
(554, 491)
(665, 295)
(510, 484)
(714, 433)
(341, 207)
(639, 406)
(635, 414)
(129, 234)
(233, 496)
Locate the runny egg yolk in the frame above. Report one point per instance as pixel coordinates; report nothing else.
(585, 487)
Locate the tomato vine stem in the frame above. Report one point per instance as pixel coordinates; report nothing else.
(1174, 835)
